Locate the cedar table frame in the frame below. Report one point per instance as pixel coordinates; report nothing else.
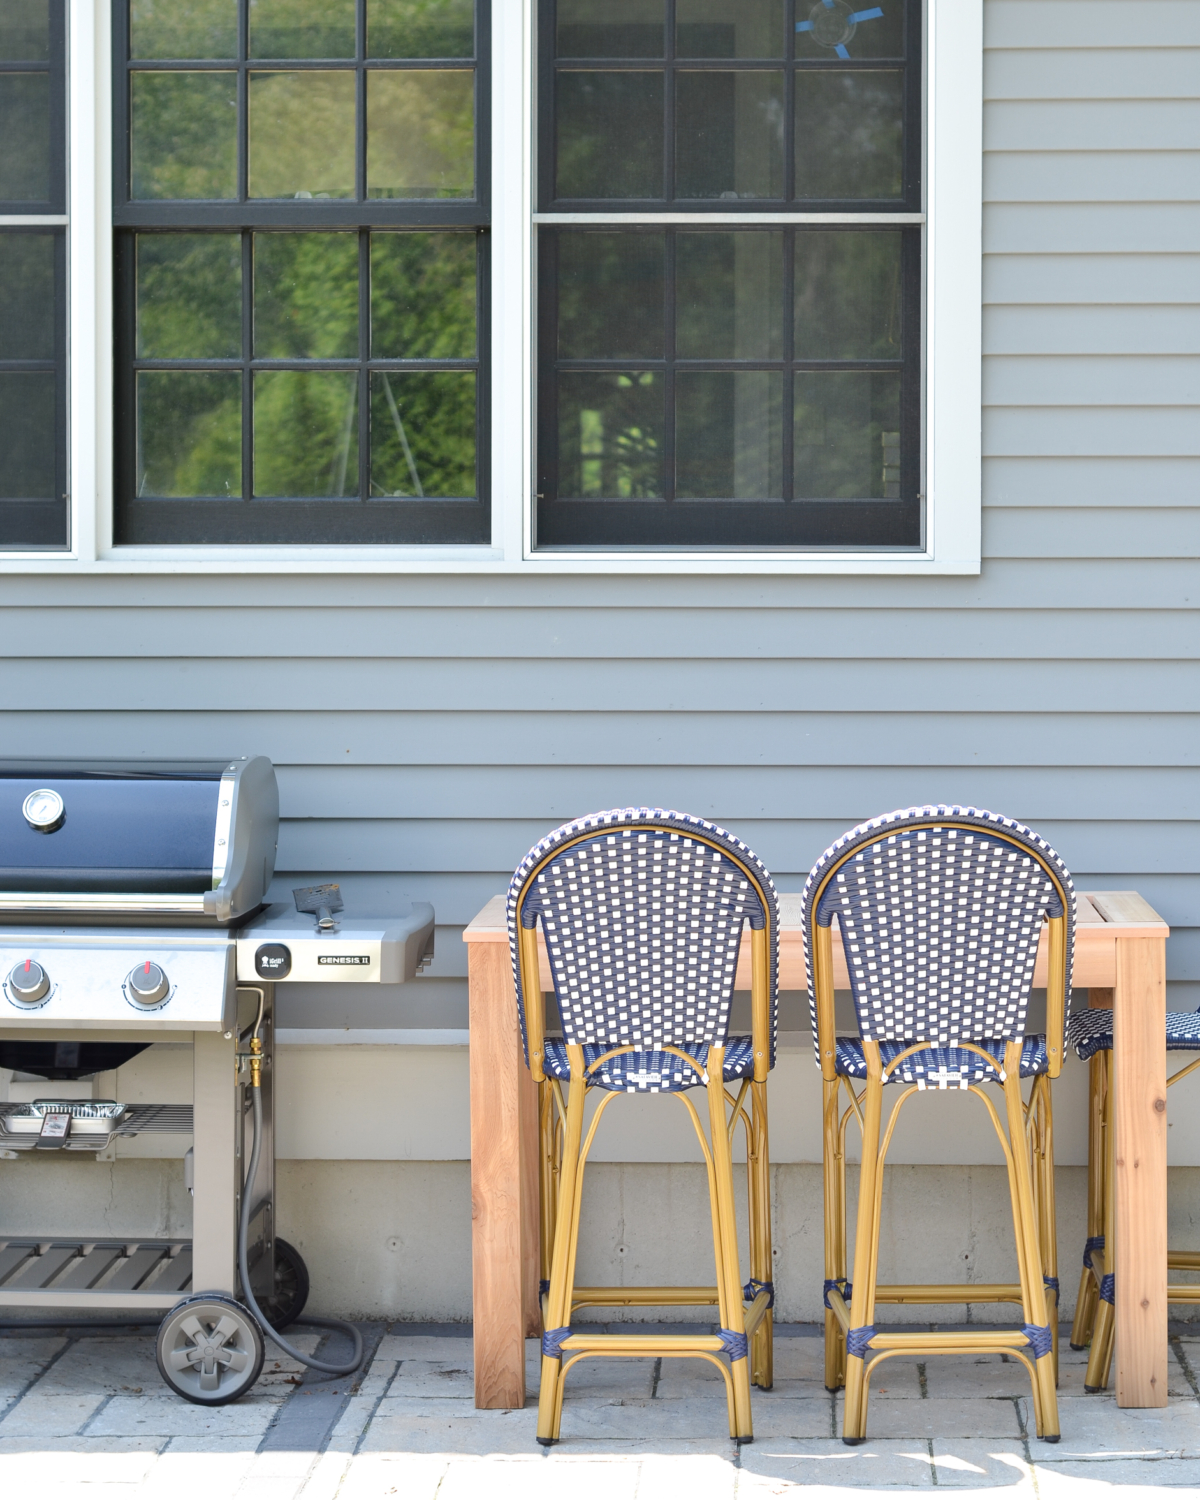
(1120, 947)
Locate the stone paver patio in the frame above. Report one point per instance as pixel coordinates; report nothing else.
(86, 1415)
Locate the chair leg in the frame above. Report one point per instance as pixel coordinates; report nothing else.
(1029, 1258)
(1085, 1305)
(729, 1288)
(762, 1353)
(548, 1172)
(854, 1420)
(1047, 1211)
(566, 1230)
(1100, 1358)
(835, 1231)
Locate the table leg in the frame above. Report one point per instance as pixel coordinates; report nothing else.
(503, 1158)
(1140, 1115)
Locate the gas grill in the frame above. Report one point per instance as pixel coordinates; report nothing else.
(132, 911)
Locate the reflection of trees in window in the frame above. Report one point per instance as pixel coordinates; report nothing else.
(273, 347)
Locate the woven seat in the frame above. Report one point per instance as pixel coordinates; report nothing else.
(940, 911)
(642, 911)
(1091, 1034)
(650, 1072)
(1091, 1031)
(943, 1067)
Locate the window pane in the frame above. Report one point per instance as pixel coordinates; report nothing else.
(611, 28)
(306, 296)
(849, 134)
(729, 141)
(189, 296)
(27, 442)
(729, 435)
(24, 30)
(302, 135)
(848, 295)
(610, 296)
(420, 28)
(183, 28)
(729, 294)
(25, 133)
(832, 28)
(302, 28)
(610, 135)
(729, 28)
(189, 434)
(305, 434)
(26, 296)
(423, 296)
(423, 435)
(184, 135)
(847, 436)
(610, 436)
(421, 134)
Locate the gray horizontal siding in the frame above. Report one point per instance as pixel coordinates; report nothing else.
(428, 730)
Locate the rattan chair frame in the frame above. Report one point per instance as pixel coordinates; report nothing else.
(1026, 1139)
(563, 1154)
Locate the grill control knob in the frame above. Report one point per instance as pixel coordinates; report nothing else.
(147, 984)
(28, 983)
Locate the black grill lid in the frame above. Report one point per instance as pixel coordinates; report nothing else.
(170, 839)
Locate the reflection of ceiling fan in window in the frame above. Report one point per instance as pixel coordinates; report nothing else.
(833, 24)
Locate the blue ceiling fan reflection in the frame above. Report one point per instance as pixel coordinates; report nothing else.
(833, 24)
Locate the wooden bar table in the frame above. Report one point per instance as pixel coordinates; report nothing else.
(1120, 957)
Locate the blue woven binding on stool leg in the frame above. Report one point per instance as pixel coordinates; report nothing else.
(552, 1341)
(858, 1341)
(846, 1288)
(1051, 1284)
(1093, 1242)
(1108, 1288)
(1040, 1340)
(543, 1288)
(752, 1289)
(736, 1345)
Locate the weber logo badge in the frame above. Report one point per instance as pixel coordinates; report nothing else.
(344, 958)
(273, 961)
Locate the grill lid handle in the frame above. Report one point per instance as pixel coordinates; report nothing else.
(320, 901)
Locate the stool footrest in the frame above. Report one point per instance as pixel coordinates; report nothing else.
(644, 1296)
(932, 1293)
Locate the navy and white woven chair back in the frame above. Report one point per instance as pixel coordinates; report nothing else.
(642, 911)
(940, 910)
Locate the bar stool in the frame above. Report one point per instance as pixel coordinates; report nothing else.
(940, 911)
(642, 912)
(1091, 1034)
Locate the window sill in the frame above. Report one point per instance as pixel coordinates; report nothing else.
(281, 561)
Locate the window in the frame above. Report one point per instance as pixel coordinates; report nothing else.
(33, 396)
(301, 271)
(730, 275)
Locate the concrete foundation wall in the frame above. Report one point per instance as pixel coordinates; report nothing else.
(393, 1239)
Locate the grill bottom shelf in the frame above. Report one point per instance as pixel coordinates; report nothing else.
(65, 1272)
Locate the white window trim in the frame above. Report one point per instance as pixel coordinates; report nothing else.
(953, 338)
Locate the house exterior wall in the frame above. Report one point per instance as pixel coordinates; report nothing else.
(427, 730)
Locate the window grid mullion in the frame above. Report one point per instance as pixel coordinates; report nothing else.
(364, 355)
(247, 248)
(788, 396)
(669, 292)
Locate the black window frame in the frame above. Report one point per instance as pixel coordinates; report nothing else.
(56, 66)
(357, 519)
(770, 527)
(44, 524)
